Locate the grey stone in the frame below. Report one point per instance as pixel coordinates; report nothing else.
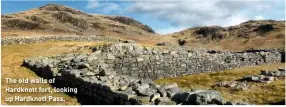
(145, 90)
(154, 97)
(204, 97)
(171, 92)
(162, 91)
(164, 101)
(127, 94)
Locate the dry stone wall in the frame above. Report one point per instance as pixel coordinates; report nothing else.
(151, 63)
(121, 73)
(26, 40)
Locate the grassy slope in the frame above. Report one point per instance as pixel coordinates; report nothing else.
(12, 57)
(259, 94)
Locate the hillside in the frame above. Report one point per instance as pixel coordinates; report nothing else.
(267, 34)
(59, 19)
(54, 19)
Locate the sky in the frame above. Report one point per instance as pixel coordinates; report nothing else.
(168, 16)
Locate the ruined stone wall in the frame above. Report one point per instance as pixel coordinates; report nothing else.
(141, 62)
(26, 40)
(121, 73)
(154, 64)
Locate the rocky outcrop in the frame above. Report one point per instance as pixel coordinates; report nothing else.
(212, 32)
(67, 17)
(132, 22)
(21, 24)
(57, 7)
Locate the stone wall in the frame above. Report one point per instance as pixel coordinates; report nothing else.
(26, 40)
(143, 62)
(152, 63)
(121, 73)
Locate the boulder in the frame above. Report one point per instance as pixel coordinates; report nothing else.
(146, 90)
(204, 97)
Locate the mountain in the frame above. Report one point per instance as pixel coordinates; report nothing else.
(263, 34)
(59, 19)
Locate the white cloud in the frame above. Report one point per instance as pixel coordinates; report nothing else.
(105, 6)
(170, 30)
(259, 18)
(189, 13)
(92, 4)
(201, 12)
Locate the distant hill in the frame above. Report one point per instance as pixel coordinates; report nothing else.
(264, 34)
(65, 20)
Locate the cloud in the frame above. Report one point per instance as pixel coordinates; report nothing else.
(170, 30)
(259, 18)
(104, 6)
(201, 12)
(92, 4)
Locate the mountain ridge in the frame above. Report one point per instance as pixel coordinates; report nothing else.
(60, 18)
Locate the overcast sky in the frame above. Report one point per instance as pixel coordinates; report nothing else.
(167, 16)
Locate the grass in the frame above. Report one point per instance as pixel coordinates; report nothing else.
(260, 93)
(12, 57)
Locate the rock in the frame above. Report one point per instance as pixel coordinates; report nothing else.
(231, 84)
(123, 82)
(106, 73)
(154, 97)
(242, 86)
(122, 88)
(103, 78)
(173, 91)
(269, 78)
(218, 102)
(127, 94)
(251, 78)
(281, 69)
(145, 81)
(89, 74)
(264, 72)
(204, 97)
(184, 97)
(143, 100)
(164, 101)
(145, 90)
(140, 59)
(162, 92)
(277, 73)
(110, 56)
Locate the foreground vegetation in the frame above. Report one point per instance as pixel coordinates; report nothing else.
(259, 93)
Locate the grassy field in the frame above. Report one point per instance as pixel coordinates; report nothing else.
(260, 93)
(12, 58)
